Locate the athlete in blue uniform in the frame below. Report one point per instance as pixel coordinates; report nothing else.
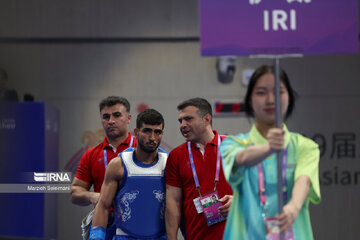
(135, 181)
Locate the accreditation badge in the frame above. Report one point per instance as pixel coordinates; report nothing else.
(197, 204)
(273, 230)
(210, 205)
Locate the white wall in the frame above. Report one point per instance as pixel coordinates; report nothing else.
(74, 77)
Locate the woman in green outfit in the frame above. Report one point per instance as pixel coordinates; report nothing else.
(250, 166)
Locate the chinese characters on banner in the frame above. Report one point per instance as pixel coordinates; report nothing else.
(338, 151)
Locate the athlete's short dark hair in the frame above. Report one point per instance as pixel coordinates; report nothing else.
(151, 117)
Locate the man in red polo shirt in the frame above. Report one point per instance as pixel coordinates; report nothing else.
(194, 170)
(115, 117)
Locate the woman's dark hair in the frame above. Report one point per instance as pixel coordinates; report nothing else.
(264, 69)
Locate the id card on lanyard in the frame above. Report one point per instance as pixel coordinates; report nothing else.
(210, 205)
(271, 223)
(205, 203)
(105, 152)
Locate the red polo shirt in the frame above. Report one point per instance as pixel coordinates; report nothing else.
(91, 168)
(179, 174)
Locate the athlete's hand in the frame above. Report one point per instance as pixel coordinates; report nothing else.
(287, 217)
(226, 201)
(275, 137)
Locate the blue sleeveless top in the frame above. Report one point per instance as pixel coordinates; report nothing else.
(140, 200)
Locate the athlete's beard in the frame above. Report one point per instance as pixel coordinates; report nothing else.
(147, 150)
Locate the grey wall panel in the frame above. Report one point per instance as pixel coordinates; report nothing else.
(98, 19)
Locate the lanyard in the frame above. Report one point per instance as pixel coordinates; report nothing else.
(194, 170)
(262, 192)
(105, 152)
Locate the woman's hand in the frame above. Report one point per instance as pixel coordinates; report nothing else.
(287, 217)
(275, 137)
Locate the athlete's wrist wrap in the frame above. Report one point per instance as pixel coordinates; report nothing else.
(97, 233)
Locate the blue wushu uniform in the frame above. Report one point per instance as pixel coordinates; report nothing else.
(140, 200)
